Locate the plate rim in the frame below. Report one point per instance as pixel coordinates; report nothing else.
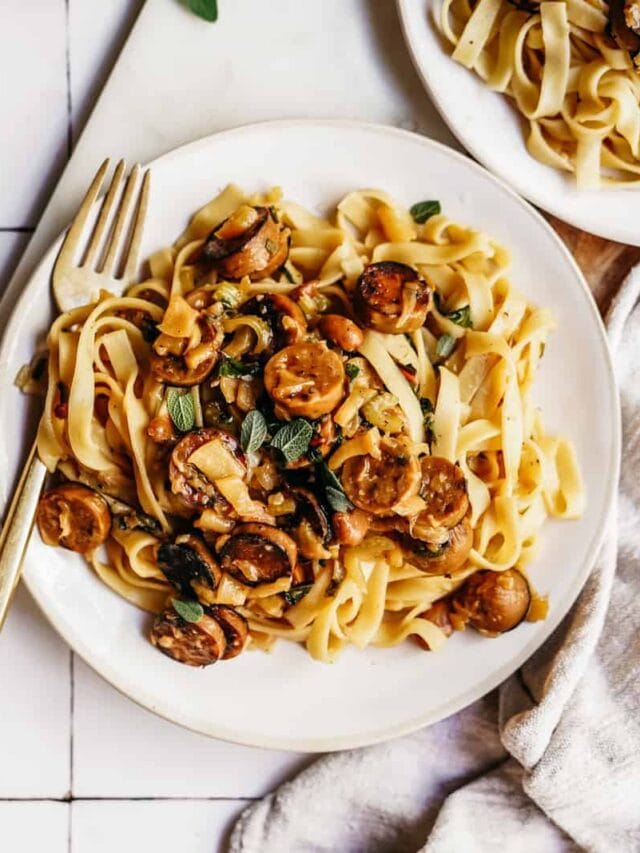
(135, 692)
(617, 233)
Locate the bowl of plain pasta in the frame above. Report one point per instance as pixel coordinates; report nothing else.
(562, 82)
(316, 440)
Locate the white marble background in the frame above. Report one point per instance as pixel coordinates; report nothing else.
(82, 768)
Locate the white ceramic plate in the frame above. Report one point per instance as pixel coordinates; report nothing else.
(286, 699)
(491, 129)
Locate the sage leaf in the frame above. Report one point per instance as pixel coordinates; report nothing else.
(333, 490)
(181, 409)
(253, 432)
(190, 611)
(207, 9)
(423, 210)
(292, 440)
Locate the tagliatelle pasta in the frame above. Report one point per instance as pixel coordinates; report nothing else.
(313, 429)
(570, 67)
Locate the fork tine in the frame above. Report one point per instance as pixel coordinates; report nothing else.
(72, 239)
(118, 225)
(103, 217)
(138, 225)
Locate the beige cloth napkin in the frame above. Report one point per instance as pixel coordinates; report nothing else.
(551, 761)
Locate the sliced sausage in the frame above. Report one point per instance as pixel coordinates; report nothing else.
(392, 297)
(188, 564)
(445, 558)
(377, 485)
(494, 602)
(174, 370)
(256, 554)
(234, 626)
(624, 23)
(250, 242)
(350, 528)
(305, 380)
(195, 643)
(444, 489)
(190, 482)
(310, 525)
(73, 516)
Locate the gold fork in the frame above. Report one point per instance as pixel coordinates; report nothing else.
(98, 253)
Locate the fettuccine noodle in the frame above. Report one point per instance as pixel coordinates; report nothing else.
(577, 89)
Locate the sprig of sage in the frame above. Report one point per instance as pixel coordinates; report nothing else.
(292, 440)
(181, 408)
(190, 611)
(206, 9)
(253, 431)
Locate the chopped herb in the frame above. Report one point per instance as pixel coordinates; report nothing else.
(285, 272)
(426, 405)
(333, 490)
(149, 330)
(207, 9)
(423, 210)
(294, 595)
(253, 432)
(232, 367)
(459, 316)
(445, 346)
(271, 246)
(190, 611)
(292, 440)
(352, 370)
(181, 409)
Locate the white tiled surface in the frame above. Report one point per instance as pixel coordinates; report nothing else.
(91, 764)
(155, 826)
(34, 827)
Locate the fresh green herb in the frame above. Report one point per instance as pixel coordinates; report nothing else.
(285, 272)
(292, 440)
(190, 611)
(427, 411)
(426, 405)
(294, 595)
(423, 210)
(232, 367)
(149, 330)
(445, 346)
(271, 246)
(352, 370)
(333, 490)
(207, 9)
(181, 409)
(459, 316)
(253, 432)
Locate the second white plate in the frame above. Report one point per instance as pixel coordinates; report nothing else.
(489, 127)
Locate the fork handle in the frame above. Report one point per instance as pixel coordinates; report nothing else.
(17, 528)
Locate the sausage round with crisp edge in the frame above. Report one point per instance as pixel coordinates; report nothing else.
(392, 298)
(198, 643)
(377, 485)
(187, 480)
(73, 516)
(257, 554)
(445, 558)
(249, 242)
(305, 380)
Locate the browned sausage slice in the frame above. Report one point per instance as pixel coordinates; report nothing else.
(306, 380)
(284, 316)
(310, 525)
(73, 516)
(234, 626)
(444, 489)
(188, 563)
(250, 242)
(174, 370)
(442, 559)
(188, 481)
(256, 554)
(392, 297)
(377, 485)
(494, 602)
(350, 528)
(195, 643)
